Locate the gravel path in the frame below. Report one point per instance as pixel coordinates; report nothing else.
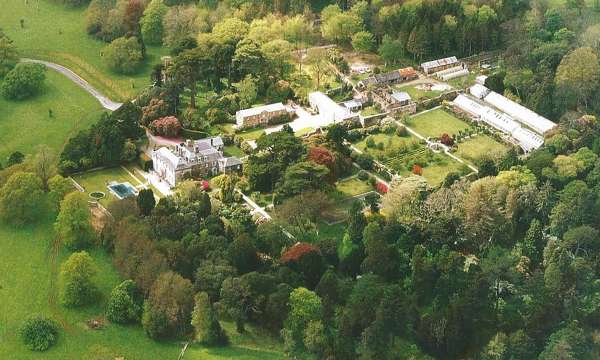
(106, 102)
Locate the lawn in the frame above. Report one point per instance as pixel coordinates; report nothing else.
(232, 150)
(418, 94)
(436, 122)
(369, 111)
(26, 124)
(353, 187)
(57, 33)
(388, 141)
(30, 263)
(251, 134)
(97, 180)
(435, 172)
(473, 148)
(342, 198)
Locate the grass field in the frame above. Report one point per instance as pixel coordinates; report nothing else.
(435, 123)
(387, 140)
(26, 124)
(57, 33)
(353, 187)
(29, 263)
(435, 172)
(473, 148)
(418, 94)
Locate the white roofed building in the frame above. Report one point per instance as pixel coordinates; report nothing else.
(204, 156)
(328, 109)
(434, 66)
(532, 120)
(525, 138)
(479, 91)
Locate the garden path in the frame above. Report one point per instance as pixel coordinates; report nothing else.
(105, 101)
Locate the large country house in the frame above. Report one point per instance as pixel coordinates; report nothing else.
(191, 158)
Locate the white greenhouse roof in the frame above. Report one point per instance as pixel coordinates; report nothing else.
(481, 79)
(439, 62)
(522, 114)
(479, 91)
(527, 139)
(454, 74)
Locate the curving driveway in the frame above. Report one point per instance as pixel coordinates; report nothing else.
(106, 102)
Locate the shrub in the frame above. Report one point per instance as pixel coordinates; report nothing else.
(167, 126)
(24, 81)
(145, 162)
(39, 333)
(365, 161)
(123, 55)
(363, 175)
(77, 285)
(446, 139)
(370, 142)
(125, 303)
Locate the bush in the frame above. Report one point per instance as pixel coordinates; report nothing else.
(145, 162)
(365, 161)
(401, 130)
(370, 142)
(39, 333)
(125, 303)
(363, 175)
(77, 286)
(24, 81)
(123, 55)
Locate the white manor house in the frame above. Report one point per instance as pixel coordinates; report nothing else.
(204, 157)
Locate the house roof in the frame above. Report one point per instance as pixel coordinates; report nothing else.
(260, 109)
(407, 71)
(327, 106)
(167, 156)
(230, 161)
(401, 96)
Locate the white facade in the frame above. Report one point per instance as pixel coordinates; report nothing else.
(537, 123)
(165, 165)
(205, 155)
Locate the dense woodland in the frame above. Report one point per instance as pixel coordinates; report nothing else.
(503, 265)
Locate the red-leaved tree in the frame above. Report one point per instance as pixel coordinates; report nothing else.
(446, 139)
(167, 126)
(322, 156)
(417, 169)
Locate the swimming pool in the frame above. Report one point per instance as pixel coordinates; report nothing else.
(122, 190)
